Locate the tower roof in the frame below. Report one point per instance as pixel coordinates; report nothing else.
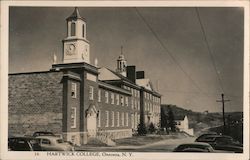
(121, 56)
(75, 15)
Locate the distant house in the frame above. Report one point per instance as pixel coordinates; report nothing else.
(183, 125)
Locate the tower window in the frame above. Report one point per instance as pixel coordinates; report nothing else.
(83, 31)
(73, 29)
(73, 90)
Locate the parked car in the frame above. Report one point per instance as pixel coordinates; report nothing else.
(224, 143)
(23, 144)
(50, 143)
(194, 147)
(203, 136)
(43, 133)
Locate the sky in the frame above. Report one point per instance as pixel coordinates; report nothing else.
(189, 62)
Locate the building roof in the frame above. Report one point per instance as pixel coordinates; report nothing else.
(75, 15)
(113, 88)
(106, 74)
(145, 83)
(179, 118)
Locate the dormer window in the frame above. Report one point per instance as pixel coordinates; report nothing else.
(73, 29)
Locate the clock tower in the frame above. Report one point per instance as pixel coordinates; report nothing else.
(75, 45)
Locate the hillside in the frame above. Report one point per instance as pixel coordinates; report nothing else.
(198, 121)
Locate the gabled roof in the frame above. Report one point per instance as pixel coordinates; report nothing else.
(145, 83)
(106, 74)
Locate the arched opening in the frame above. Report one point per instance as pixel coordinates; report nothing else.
(83, 31)
(73, 29)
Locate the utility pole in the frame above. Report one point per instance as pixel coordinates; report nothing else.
(223, 110)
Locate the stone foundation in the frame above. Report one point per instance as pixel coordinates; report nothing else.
(78, 138)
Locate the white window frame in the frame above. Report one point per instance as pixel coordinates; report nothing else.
(117, 99)
(113, 119)
(73, 89)
(132, 103)
(106, 97)
(126, 115)
(118, 119)
(107, 119)
(91, 93)
(99, 119)
(99, 95)
(112, 98)
(126, 101)
(73, 116)
(122, 118)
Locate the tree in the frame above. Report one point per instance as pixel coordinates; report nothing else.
(171, 120)
(167, 119)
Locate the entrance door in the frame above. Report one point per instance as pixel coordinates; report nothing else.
(91, 123)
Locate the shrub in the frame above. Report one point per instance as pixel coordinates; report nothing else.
(141, 129)
(151, 128)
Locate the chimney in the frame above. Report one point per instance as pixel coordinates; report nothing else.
(131, 74)
(140, 75)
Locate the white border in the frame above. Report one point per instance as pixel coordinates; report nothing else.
(136, 155)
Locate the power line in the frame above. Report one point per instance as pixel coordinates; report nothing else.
(209, 49)
(167, 50)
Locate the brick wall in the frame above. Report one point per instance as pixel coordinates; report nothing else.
(35, 102)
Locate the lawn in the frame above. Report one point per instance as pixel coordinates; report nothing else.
(143, 140)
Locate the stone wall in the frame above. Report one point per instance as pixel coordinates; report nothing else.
(35, 102)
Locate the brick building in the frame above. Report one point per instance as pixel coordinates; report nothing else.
(79, 100)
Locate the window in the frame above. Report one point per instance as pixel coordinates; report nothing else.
(126, 101)
(135, 104)
(106, 97)
(73, 90)
(107, 119)
(118, 119)
(112, 98)
(126, 119)
(112, 119)
(99, 95)
(135, 120)
(73, 138)
(91, 92)
(117, 99)
(83, 31)
(45, 141)
(122, 100)
(132, 103)
(138, 105)
(73, 29)
(132, 121)
(122, 118)
(99, 119)
(73, 117)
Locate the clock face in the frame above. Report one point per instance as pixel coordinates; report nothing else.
(70, 49)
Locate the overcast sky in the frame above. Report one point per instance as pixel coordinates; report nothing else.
(167, 43)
